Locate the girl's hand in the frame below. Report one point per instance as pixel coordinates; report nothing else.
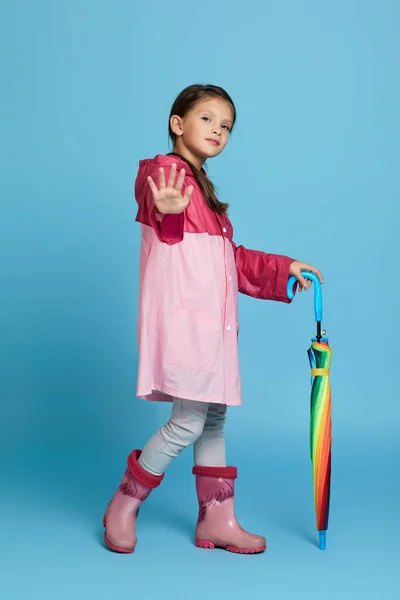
(168, 199)
(297, 267)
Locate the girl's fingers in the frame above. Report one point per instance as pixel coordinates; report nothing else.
(307, 283)
(152, 185)
(319, 275)
(303, 282)
(188, 193)
(180, 181)
(172, 175)
(161, 177)
(316, 271)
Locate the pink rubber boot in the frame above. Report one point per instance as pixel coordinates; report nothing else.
(217, 526)
(122, 511)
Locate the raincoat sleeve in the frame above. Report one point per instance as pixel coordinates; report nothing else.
(169, 228)
(261, 275)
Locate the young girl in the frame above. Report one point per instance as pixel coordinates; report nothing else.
(190, 275)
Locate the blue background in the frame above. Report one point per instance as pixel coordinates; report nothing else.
(311, 171)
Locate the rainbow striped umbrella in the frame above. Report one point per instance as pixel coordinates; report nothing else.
(319, 355)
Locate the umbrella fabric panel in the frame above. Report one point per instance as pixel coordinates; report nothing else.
(321, 430)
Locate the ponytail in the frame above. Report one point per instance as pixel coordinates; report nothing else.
(206, 187)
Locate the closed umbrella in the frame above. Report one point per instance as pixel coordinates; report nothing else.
(319, 355)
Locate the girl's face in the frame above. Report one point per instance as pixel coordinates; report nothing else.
(204, 131)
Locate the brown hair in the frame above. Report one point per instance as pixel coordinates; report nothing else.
(183, 104)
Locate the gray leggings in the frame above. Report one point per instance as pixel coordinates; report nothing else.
(197, 423)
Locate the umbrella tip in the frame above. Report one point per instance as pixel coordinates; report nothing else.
(322, 540)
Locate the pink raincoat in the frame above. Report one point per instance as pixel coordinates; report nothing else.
(190, 275)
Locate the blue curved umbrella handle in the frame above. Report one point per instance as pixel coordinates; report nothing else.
(317, 292)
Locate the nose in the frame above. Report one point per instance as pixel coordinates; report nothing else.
(217, 130)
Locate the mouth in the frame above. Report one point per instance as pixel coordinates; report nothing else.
(213, 142)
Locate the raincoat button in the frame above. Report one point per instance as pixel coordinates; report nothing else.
(229, 328)
(224, 229)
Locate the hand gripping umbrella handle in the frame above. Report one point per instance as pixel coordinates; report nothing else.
(317, 292)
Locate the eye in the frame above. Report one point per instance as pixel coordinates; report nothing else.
(206, 118)
(226, 127)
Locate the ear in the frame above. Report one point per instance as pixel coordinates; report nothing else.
(176, 125)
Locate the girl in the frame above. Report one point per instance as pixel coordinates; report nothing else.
(190, 275)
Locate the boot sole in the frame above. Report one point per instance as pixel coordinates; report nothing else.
(211, 546)
(112, 546)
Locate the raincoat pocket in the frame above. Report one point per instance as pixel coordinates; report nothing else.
(194, 340)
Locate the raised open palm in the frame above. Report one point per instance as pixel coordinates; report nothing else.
(168, 199)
